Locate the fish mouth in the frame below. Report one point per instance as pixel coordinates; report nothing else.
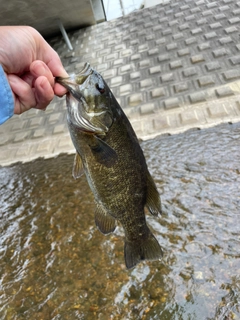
(81, 117)
(71, 83)
(87, 69)
(74, 80)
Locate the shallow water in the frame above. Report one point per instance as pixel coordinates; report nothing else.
(55, 264)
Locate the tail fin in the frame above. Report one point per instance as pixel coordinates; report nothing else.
(145, 249)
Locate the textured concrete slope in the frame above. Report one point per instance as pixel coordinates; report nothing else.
(172, 67)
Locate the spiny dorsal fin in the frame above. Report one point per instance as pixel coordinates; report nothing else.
(153, 202)
(104, 221)
(77, 170)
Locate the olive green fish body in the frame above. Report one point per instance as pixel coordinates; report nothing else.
(115, 167)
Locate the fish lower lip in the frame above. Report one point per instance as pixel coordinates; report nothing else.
(65, 81)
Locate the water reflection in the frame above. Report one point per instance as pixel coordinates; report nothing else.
(55, 264)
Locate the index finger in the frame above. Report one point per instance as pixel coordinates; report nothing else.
(53, 61)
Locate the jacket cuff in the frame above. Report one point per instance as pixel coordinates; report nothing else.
(6, 98)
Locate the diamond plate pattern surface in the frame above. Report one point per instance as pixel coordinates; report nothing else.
(173, 53)
(171, 67)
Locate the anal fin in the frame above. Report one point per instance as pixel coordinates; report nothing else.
(104, 221)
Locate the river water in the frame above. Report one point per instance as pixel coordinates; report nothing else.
(55, 264)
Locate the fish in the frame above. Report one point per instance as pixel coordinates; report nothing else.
(109, 154)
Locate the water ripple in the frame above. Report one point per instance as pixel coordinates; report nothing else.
(55, 264)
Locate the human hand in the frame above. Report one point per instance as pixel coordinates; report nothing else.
(30, 65)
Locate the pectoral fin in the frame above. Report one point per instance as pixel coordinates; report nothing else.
(104, 221)
(102, 152)
(153, 199)
(77, 170)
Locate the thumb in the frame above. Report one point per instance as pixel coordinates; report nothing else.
(52, 60)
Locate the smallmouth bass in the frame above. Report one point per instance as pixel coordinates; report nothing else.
(108, 152)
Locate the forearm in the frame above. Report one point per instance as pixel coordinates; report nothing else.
(6, 98)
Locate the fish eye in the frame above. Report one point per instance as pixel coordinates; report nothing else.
(101, 90)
